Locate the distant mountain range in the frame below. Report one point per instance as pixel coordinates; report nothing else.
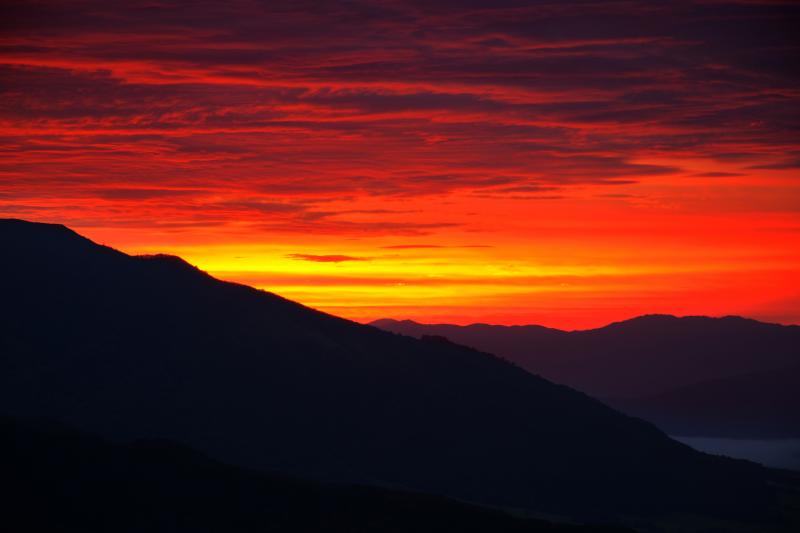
(152, 348)
(727, 377)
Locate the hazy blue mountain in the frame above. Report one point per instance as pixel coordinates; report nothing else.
(152, 348)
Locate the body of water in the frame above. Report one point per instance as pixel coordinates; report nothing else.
(779, 453)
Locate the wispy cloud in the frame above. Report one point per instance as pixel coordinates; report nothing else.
(326, 258)
(385, 98)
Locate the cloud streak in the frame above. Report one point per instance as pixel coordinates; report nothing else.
(447, 97)
(335, 258)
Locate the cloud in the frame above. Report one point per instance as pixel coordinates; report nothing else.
(784, 164)
(431, 246)
(326, 258)
(259, 112)
(125, 193)
(411, 246)
(718, 174)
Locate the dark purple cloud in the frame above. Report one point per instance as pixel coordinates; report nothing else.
(275, 108)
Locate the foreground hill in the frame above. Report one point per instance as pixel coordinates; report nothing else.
(727, 377)
(87, 484)
(150, 347)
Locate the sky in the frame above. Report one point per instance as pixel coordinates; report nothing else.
(562, 163)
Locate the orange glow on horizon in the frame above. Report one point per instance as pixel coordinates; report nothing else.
(576, 263)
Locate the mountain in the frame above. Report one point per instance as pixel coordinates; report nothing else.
(726, 377)
(152, 348)
(764, 405)
(88, 484)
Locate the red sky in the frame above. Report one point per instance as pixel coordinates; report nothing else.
(562, 163)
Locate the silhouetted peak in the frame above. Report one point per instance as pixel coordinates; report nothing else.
(664, 321)
(40, 241)
(174, 267)
(383, 322)
(654, 319)
(33, 239)
(170, 261)
(644, 324)
(14, 227)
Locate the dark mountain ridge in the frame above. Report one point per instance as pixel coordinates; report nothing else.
(89, 484)
(689, 375)
(153, 348)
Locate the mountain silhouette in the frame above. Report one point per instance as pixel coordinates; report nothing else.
(152, 348)
(89, 484)
(759, 404)
(726, 377)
